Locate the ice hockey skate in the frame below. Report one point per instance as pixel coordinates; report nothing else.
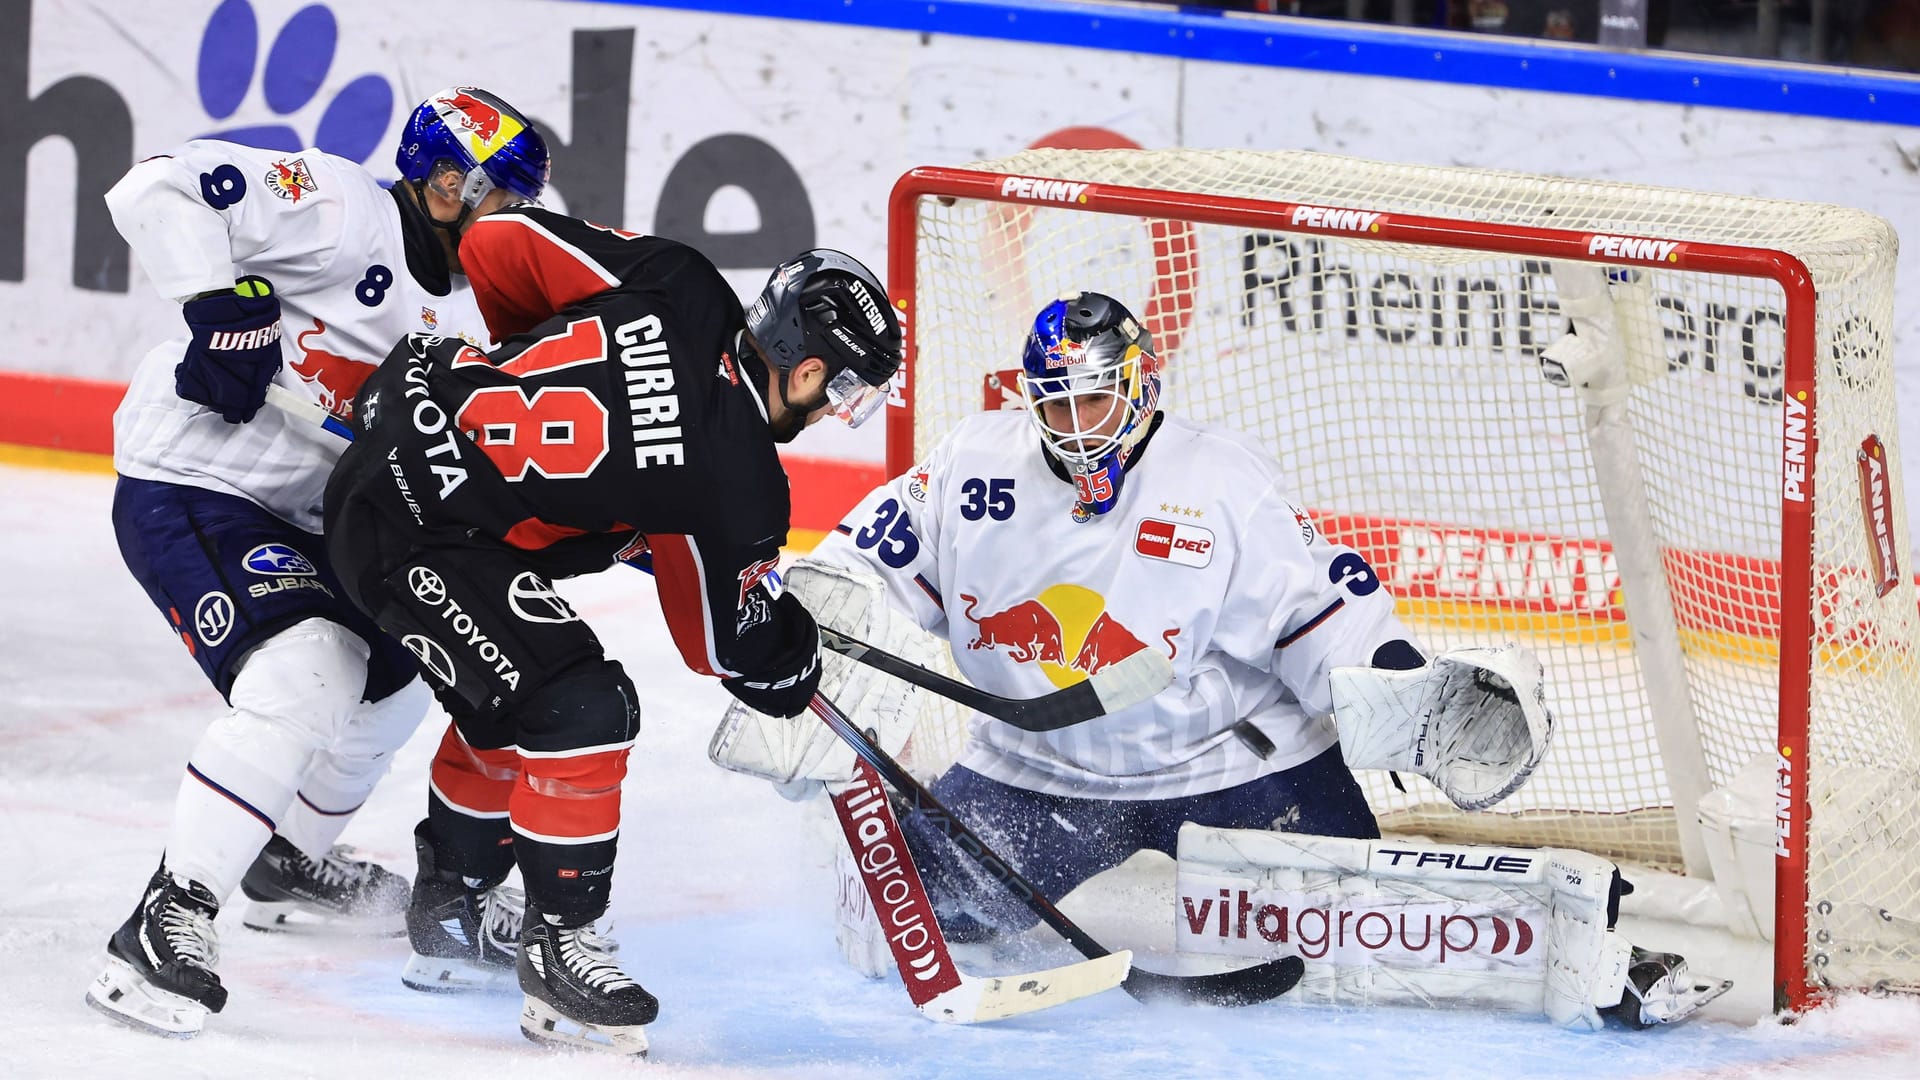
(465, 935)
(1660, 990)
(576, 995)
(159, 976)
(288, 891)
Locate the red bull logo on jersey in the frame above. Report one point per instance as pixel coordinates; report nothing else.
(1066, 630)
(917, 482)
(291, 180)
(335, 379)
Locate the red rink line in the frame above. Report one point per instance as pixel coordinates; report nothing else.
(56, 412)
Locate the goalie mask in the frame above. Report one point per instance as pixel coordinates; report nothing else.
(1091, 383)
(824, 303)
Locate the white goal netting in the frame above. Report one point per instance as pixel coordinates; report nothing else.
(1379, 326)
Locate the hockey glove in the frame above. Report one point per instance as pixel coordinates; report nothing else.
(1474, 721)
(796, 753)
(235, 349)
(791, 677)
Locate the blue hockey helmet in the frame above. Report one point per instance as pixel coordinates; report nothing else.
(493, 144)
(1088, 348)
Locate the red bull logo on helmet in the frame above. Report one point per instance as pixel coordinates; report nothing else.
(482, 127)
(1066, 630)
(1065, 353)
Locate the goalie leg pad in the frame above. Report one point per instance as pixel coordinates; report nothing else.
(1406, 923)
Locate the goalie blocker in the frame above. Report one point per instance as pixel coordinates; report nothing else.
(1387, 922)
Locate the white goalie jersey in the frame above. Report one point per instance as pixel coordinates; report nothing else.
(329, 239)
(1203, 557)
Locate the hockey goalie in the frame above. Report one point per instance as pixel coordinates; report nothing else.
(1047, 545)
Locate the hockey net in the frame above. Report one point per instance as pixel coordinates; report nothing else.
(1710, 568)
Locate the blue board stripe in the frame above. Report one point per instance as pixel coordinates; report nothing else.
(1366, 49)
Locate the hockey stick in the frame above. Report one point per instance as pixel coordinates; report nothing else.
(1114, 687)
(295, 407)
(1245, 986)
(939, 989)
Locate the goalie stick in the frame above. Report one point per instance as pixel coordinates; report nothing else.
(1117, 686)
(937, 986)
(1245, 986)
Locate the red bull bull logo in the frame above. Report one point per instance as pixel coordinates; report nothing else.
(291, 179)
(334, 378)
(1063, 621)
(484, 127)
(1065, 353)
(474, 115)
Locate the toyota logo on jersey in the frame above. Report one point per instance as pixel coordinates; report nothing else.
(533, 599)
(433, 658)
(426, 585)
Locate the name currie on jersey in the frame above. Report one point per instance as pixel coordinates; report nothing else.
(651, 400)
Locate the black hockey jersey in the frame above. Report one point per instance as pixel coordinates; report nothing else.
(627, 421)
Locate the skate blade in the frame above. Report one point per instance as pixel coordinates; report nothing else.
(120, 994)
(298, 918)
(1683, 1001)
(541, 1023)
(436, 975)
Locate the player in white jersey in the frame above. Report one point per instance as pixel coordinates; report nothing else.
(1047, 544)
(297, 270)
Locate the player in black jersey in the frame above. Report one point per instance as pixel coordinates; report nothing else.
(633, 409)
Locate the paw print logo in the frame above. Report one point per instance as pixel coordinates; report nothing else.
(351, 125)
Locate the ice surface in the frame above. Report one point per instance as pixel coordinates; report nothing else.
(722, 904)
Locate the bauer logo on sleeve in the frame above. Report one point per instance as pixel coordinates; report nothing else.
(1188, 545)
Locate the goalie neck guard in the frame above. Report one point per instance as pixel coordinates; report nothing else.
(1092, 361)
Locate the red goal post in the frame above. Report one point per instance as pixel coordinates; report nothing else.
(1386, 275)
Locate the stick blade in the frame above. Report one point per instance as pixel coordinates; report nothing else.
(1133, 680)
(1230, 989)
(979, 999)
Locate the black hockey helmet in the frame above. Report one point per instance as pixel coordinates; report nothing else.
(824, 303)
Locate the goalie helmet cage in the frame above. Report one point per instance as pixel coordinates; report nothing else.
(1708, 563)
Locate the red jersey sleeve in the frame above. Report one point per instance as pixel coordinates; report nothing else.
(524, 272)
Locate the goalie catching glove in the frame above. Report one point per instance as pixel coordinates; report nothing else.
(1473, 721)
(794, 752)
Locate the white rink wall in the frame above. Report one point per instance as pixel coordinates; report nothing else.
(754, 136)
